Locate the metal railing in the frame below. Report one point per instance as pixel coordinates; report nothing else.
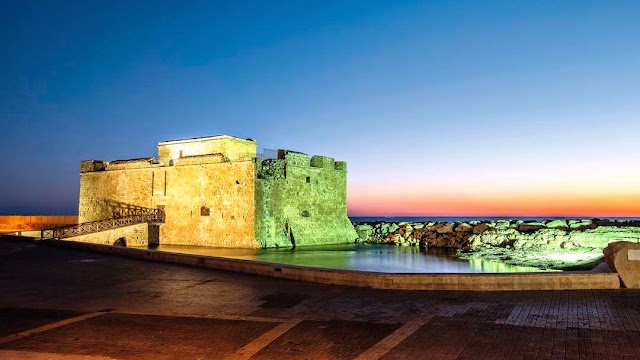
(125, 212)
(131, 216)
(267, 154)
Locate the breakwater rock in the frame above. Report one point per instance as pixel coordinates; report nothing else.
(553, 244)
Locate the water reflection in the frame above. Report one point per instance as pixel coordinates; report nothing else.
(379, 258)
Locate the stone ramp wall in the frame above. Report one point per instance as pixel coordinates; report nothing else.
(138, 235)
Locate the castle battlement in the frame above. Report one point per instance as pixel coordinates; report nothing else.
(296, 158)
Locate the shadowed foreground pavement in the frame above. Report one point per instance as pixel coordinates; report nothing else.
(60, 303)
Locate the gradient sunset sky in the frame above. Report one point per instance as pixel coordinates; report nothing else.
(513, 108)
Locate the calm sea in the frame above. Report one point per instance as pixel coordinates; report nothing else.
(467, 218)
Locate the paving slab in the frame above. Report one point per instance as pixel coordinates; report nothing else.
(334, 339)
(127, 336)
(15, 320)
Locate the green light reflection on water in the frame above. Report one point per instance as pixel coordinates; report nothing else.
(487, 266)
(376, 258)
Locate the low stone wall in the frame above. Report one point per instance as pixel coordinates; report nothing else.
(20, 223)
(624, 258)
(469, 282)
(139, 235)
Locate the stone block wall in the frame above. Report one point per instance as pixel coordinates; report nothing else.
(233, 148)
(20, 223)
(302, 204)
(103, 193)
(206, 204)
(135, 235)
(209, 205)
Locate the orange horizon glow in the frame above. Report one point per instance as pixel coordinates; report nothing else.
(494, 205)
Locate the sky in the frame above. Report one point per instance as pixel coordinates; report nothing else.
(449, 108)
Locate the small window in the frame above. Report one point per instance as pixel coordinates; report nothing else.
(204, 211)
(308, 179)
(237, 182)
(305, 213)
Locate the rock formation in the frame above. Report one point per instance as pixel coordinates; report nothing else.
(624, 258)
(547, 244)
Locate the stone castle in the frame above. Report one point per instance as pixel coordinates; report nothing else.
(216, 192)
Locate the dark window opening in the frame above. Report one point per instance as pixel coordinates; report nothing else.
(204, 211)
(237, 182)
(308, 179)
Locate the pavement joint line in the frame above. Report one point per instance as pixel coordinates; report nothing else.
(35, 355)
(263, 340)
(51, 326)
(206, 316)
(385, 345)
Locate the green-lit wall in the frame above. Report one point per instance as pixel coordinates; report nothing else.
(301, 200)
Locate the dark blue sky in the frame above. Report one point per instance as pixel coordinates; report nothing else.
(466, 97)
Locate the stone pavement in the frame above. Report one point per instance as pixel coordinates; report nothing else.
(58, 303)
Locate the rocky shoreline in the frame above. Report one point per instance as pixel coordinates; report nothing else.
(550, 244)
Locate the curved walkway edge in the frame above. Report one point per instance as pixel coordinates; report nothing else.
(469, 282)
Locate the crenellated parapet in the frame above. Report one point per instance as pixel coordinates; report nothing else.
(93, 165)
(295, 158)
(276, 168)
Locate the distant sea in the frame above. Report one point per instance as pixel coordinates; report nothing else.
(469, 218)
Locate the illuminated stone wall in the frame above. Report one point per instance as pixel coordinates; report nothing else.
(302, 201)
(20, 223)
(225, 198)
(134, 235)
(207, 204)
(106, 192)
(233, 148)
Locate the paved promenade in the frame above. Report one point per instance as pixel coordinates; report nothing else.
(58, 303)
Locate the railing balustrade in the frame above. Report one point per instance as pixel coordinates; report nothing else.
(129, 216)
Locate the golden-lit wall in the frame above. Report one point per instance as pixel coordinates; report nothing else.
(13, 223)
(206, 202)
(233, 148)
(134, 235)
(103, 194)
(209, 205)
